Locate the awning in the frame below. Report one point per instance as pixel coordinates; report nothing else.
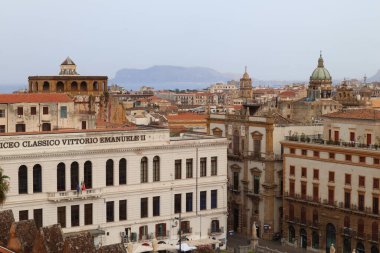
(202, 242)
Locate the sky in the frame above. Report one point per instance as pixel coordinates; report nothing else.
(276, 39)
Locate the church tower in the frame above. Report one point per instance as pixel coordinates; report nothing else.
(245, 86)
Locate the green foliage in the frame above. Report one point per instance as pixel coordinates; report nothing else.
(4, 186)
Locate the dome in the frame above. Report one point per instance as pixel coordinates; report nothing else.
(320, 73)
(245, 75)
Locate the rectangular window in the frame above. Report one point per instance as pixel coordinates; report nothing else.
(361, 181)
(20, 128)
(143, 232)
(20, 111)
(336, 136)
(256, 184)
(45, 110)
(214, 166)
(123, 209)
(214, 199)
(304, 152)
(303, 190)
(361, 202)
(33, 110)
(203, 200)
(63, 112)
(75, 215)
(236, 181)
(347, 199)
(376, 161)
(375, 205)
(2, 128)
(348, 157)
(177, 203)
(2, 113)
(61, 216)
(347, 179)
(161, 230)
(144, 208)
(375, 183)
(156, 206)
(185, 227)
(88, 214)
(291, 188)
(316, 174)
(37, 216)
(189, 202)
(292, 170)
(23, 215)
(369, 139)
(362, 159)
(178, 169)
(331, 196)
(315, 193)
(189, 168)
(303, 172)
(84, 125)
(352, 136)
(316, 153)
(332, 155)
(292, 151)
(203, 166)
(110, 211)
(331, 176)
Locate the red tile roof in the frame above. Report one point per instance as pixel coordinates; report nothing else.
(366, 114)
(35, 98)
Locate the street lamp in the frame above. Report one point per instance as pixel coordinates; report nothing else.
(179, 231)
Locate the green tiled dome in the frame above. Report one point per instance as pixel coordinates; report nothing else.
(320, 73)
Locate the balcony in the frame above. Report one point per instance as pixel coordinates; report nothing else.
(317, 139)
(234, 188)
(252, 194)
(163, 235)
(215, 231)
(145, 237)
(186, 231)
(74, 195)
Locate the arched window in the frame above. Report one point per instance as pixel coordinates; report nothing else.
(144, 170)
(88, 174)
(74, 86)
(303, 237)
(315, 240)
(346, 222)
(375, 231)
(315, 218)
(60, 87)
(74, 175)
(156, 168)
(360, 248)
(109, 172)
(257, 137)
(330, 236)
(37, 178)
(35, 87)
(214, 226)
(292, 234)
(83, 86)
(122, 171)
(360, 228)
(22, 179)
(46, 87)
(61, 177)
(291, 212)
(95, 86)
(303, 215)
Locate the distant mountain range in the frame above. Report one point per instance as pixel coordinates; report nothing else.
(375, 78)
(170, 77)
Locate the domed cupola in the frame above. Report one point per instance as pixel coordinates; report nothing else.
(320, 82)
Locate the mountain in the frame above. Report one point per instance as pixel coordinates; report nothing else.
(375, 78)
(162, 77)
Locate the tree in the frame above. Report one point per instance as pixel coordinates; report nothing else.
(4, 186)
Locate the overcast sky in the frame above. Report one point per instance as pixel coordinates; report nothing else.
(276, 39)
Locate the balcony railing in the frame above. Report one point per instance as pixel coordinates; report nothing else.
(234, 188)
(253, 155)
(252, 193)
(186, 231)
(215, 231)
(163, 235)
(146, 237)
(317, 139)
(74, 195)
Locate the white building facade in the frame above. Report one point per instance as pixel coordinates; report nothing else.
(136, 183)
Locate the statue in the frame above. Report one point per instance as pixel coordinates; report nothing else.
(332, 248)
(254, 240)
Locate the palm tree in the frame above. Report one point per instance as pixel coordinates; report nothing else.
(4, 186)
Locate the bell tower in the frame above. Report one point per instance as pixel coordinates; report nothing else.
(245, 86)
